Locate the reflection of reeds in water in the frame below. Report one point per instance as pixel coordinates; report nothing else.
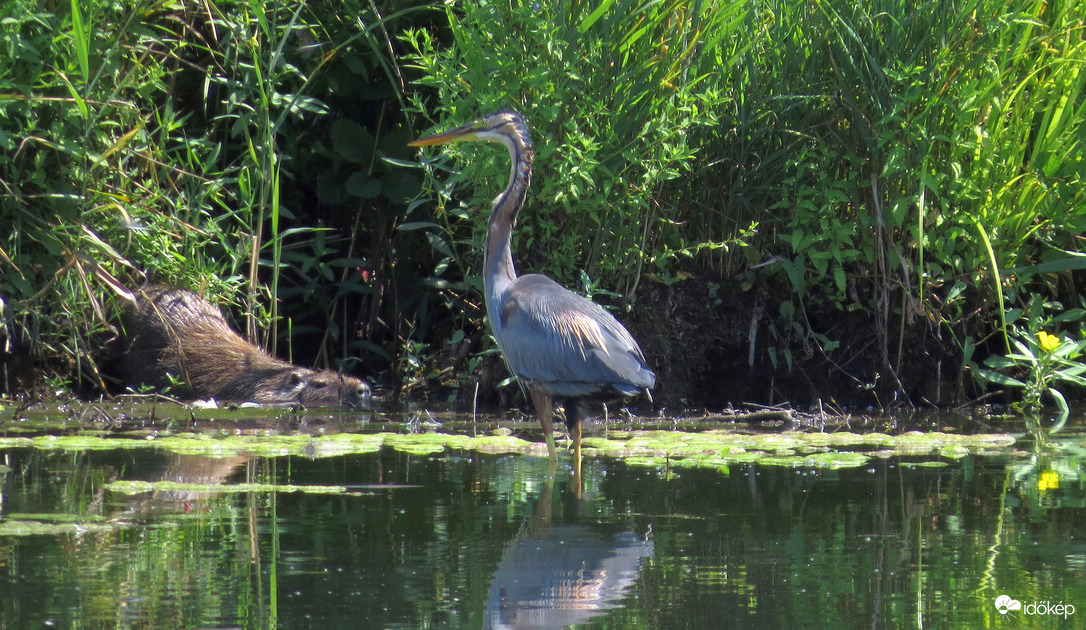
(563, 576)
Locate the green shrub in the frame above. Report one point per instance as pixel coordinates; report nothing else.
(916, 170)
(161, 141)
(613, 93)
(882, 146)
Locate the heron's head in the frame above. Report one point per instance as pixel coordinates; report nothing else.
(504, 126)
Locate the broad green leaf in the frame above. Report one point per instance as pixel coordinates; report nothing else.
(999, 379)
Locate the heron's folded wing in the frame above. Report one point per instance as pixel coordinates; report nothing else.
(568, 344)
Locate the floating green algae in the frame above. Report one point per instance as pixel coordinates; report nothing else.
(659, 448)
(18, 524)
(142, 487)
(19, 527)
(278, 445)
(719, 448)
(57, 518)
(832, 460)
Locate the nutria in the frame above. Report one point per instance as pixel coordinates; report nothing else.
(172, 332)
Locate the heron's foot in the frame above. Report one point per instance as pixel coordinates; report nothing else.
(566, 443)
(552, 451)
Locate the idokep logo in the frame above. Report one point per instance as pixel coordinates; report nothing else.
(1005, 604)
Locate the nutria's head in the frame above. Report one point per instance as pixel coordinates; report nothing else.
(329, 389)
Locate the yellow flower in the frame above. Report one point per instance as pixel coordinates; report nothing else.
(1048, 342)
(1048, 481)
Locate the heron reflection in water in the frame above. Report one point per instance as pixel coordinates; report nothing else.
(557, 576)
(560, 345)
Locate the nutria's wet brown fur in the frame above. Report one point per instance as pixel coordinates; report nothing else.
(176, 332)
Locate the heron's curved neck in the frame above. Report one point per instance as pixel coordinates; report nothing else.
(498, 269)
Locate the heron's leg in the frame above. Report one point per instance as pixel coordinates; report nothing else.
(577, 457)
(574, 414)
(544, 408)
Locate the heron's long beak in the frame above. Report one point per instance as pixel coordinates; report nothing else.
(460, 134)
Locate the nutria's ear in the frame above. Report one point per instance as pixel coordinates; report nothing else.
(317, 381)
(295, 377)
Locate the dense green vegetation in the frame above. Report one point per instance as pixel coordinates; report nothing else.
(889, 197)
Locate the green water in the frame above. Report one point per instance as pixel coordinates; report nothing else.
(396, 538)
